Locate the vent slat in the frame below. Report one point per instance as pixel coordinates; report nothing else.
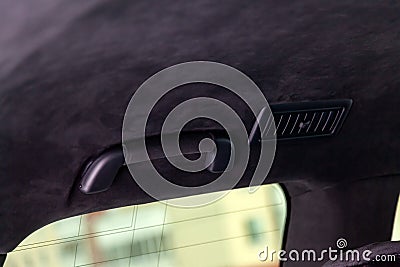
(279, 123)
(330, 121)
(268, 125)
(302, 123)
(327, 120)
(311, 122)
(321, 115)
(295, 123)
(337, 117)
(287, 123)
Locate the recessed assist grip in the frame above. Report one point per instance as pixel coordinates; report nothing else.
(99, 174)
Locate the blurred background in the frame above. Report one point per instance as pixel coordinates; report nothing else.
(230, 232)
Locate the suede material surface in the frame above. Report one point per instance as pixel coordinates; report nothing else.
(68, 72)
(377, 250)
(361, 212)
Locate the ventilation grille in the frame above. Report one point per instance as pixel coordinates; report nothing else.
(316, 122)
(308, 119)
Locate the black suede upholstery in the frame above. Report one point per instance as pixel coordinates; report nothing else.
(66, 80)
(361, 212)
(377, 250)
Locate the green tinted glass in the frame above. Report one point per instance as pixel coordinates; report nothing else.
(229, 232)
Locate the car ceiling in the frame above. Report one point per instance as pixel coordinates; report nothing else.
(68, 71)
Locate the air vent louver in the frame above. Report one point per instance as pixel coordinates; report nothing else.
(307, 119)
